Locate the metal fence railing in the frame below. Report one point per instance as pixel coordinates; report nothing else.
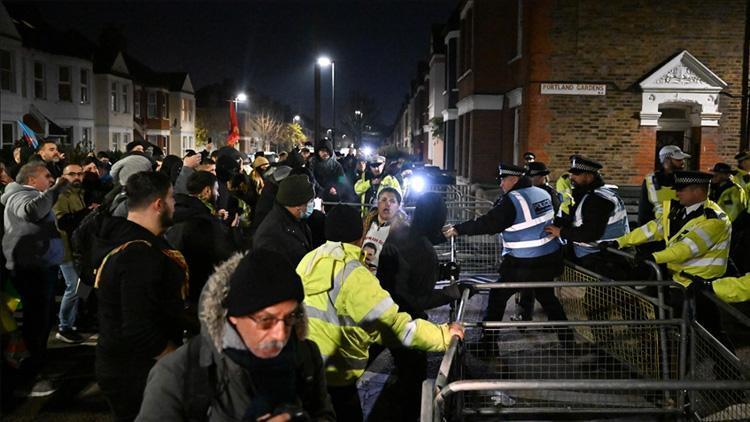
(630, 355)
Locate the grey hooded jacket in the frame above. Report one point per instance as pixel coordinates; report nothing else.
(164, 398)
(31, 237)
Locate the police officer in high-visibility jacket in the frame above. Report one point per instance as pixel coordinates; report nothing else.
(743, 170)
(598, 214)
(726, 192)
(348, 311)
(529, 254)
(696, 231)
(657, 187)
(728, 289)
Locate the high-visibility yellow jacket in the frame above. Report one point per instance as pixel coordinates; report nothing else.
(348, 311)
(733, 289)
(362, 186)
(564, 187)
(657, 194)
(733, 200)
(700, 248)
(742, 178)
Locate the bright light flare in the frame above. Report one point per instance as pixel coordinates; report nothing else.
(418, 183)
(324, 61)
(241, 97)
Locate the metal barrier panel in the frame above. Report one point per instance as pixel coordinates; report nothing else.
(710, 360)
(604, 303)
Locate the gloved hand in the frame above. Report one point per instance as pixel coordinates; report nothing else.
(449, 271)
(698, 283)
(643, 256)
(603, 246)
(453, 291)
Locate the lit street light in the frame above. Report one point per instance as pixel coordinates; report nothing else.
(324, 61)
(240, 98)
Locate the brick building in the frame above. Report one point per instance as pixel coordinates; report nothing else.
(611, 80)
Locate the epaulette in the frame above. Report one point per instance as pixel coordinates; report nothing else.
(710, 212)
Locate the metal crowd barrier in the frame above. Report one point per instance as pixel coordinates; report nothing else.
(629, 355)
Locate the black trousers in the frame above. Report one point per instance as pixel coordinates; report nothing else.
(36, 287)
(546, 297)
(412, 370)
(346, 403)
(124, 391)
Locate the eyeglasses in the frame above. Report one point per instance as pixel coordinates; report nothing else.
(268, 322)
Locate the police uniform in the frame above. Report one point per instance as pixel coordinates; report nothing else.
(729, 195)
(657, 187)
(598, 214)
(368, 190)
(742, 176)
(529, 254)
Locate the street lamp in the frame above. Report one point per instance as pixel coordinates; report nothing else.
(324, 61)
(240, 98)
(296, 118)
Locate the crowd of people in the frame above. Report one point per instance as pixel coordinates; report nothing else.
(226, 288)
(220, 287)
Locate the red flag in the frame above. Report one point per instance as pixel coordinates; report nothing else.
(234, 129)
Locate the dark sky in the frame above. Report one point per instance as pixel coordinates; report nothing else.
(272, 45)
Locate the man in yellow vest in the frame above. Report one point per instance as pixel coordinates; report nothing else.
(743, 170)
(726, 192)
(348, 311)
(657, 187)
(696, 231)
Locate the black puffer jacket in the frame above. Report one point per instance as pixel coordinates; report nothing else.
(329, 174)
(280, 232)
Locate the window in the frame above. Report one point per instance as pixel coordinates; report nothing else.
(151, 112)
(7, 74)
(183, 109)
(63, 84)
(115, 145)
(86, 139)
(137, 104)
(24, 89)
(190, 110)
(125, 101)
(519, 31)
(187, 110)
(40, 81)
(84, 86)
(113, 97)
(125, 138)
(185, 144)
(164, 110)
(6, 134)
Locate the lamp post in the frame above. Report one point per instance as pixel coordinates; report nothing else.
(324, 61)
(240, 98)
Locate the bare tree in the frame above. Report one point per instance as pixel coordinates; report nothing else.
(267, 129)
(361, 114)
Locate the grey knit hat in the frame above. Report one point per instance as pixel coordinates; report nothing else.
(295, 190)
(128, 166)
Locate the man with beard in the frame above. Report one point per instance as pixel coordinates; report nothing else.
(598, 214)
(331, 183)
(198, 231)
(658, 187)
(251, 361)
(142, 284)
(726, 192)
(70, 209)
(51, 156)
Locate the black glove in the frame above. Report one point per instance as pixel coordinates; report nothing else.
(603, 246)
(449, 271)
(698, 283)
(644, 256)
(453, 291)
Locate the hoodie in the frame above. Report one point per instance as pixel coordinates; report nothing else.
(31, 237)
(234, 389)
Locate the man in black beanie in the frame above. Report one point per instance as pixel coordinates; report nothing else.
(252, 360)
(285, 229)
(348, 311)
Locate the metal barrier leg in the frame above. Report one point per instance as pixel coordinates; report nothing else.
(425, 414)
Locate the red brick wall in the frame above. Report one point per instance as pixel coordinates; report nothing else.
(484, 148)
(618, 43)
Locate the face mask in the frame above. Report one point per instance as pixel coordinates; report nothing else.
(309, 210)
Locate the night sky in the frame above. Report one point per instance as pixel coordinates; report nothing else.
(271, 45)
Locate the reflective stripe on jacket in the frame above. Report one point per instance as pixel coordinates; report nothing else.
(658, 194)
(700, 247)
(617, 223)
(526, 238)
(348, 311)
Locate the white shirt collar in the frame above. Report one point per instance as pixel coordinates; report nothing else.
(693, 207)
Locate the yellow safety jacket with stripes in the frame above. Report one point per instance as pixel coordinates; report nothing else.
(363, 185)
(733, 200)
(700, 247)
(348, 311)
(657, 194)
(742, 178)
(733, 289)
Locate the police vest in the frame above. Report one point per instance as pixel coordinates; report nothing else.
(526, 238)
(658, 194)
(617, 223)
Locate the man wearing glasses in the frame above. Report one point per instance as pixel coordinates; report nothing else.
(251, 361)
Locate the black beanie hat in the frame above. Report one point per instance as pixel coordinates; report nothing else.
(295, 190)
(262, 279)
(343, 224)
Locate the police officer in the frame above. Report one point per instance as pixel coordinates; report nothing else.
(529, 254)
(726, 192)
(696, 231)
(657, 186)
(598, 214)
(369, 184)
(743, 170)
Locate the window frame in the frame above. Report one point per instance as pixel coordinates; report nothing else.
(41, 80)
(10, 71)
(113, 97)
(64, 87)
(151, 114)
(84, 78)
